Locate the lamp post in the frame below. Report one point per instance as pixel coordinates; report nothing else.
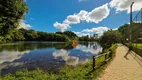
(131, 23)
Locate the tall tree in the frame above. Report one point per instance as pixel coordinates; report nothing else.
(11, 12)
(136, 31)
(110, 37)
(70, 34)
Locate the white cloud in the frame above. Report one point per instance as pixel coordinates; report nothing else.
(98, 30)
(60, 26)
(24, 25)
(124, 5)
(82, 15)
(96, 16)
(138, 21)
(72, 19)
(81, 33)
(115, 29)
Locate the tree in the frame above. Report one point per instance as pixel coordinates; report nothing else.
(31, 35)
(84, 38)
(125, 30)
(16, 35)
(11, 12)
(69, 34)
(136, 31)
(110, 37)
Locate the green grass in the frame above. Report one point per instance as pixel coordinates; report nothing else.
(138, 45)
(137, 48)
(99, 60)
(80, 72)
(113, 48)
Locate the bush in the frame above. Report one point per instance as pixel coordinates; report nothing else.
(110, 37)
(2, 40)
(113, 48)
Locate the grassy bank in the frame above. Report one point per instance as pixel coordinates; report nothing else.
(80, 72)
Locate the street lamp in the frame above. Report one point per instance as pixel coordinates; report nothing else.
(131, 22)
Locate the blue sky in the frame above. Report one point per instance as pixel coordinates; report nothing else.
(96, 16)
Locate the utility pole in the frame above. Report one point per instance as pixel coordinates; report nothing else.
(141, 15)
(130, 43)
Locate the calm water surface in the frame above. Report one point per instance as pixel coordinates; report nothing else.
(49, 56)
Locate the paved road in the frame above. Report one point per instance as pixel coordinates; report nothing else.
(123, 68)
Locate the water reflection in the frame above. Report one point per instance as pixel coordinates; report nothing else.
(92, 47)
(45, 55)
(24, 46)
(64, 55)
(6, 56)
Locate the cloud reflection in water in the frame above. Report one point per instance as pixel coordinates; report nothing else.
(93, 48)
(10, 56)
(64, 55)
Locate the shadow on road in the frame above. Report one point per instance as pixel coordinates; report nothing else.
(126, 55)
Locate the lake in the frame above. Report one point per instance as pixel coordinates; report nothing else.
(49, 56)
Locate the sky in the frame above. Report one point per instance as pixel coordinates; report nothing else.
(84, 17)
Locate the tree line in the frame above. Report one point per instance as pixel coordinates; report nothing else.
(12, 12)
(122, 35)
(87, 38)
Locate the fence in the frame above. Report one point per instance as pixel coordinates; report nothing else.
(138, 17)
(136, 34)
(135, 49)
(101, 59)
(137, 30)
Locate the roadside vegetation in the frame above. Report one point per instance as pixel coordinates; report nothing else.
(109, 38)
(105, 56)
(136, 32)
(138, 45)
(136, 36)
